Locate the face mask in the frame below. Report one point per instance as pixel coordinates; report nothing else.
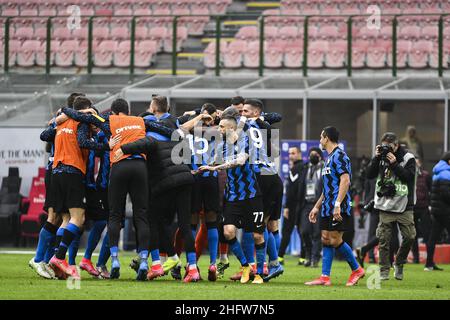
(314, 159)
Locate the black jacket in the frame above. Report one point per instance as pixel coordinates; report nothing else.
(302, 187)
(292, 185)
(440, 197)
(163, 173)
(440, 190)
(406, 174)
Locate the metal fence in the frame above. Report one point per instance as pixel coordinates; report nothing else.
(218, 32)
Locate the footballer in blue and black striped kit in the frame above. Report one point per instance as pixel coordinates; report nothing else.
(243, 206)
(334, 206)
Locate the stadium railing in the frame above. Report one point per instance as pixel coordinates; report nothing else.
(218, 31)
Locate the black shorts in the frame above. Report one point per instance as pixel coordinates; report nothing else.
(272, 195)
(161, 208)
(97, 206)
(246, 214)
(69, 191)
(49, 198)
(328, 224)
(205, 194)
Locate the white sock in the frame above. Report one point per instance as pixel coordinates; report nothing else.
(223, 257)
(192, 266)
(273, 263)
(154, 263)
(163, 259)
(175, 257)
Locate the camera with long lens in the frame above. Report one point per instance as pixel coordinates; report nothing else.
(387, 188)
(384, 150)
(369, 206)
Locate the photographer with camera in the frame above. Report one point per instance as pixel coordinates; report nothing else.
(395, 197)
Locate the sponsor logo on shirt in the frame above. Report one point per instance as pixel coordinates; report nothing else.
(126, 128)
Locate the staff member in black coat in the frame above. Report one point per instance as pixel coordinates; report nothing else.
(290, 207)
(440, 207)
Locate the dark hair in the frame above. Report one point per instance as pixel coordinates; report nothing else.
(255, 103)
(446, 157)
(331, 133)
(72, 98)
(237, 100)
(161, 103)
(120, 106)
(316, 150)
(209, 107)
(389, 137)
(81, 102)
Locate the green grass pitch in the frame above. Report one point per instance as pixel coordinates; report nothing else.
(18, 281)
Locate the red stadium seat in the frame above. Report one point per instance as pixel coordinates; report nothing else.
(81, 59)
(26, 55)
(430, 33)
(14, 46)
(31, 221)
(196, 25)
(251, 55)
(272, 17)
(403, 49)
(310, 9)
(162, 17)
(141, 33)
(182, 35)
(30, 9)
(233, 56)
(81, 33)
(199, 5)
(359, 55)
(23, 33)
(273, 56)
(218, 6)
(142, 10)
(103, 53)
(47, 9)
(316, 53)
(419, 54)
(328, 33)
(409, 33)
(209, 59)
(290, 4)
(349, 7)
(120, 33)
(158, 34)
(335, 57)
(100, 33)
(434, 56)
(293, 56)
(249, 33)
(290, 17)
(144, 53)
(65, 54)
(270, 33)
(10, 10)
(41, 57)
(122, 54)
(376, 57)
(62, 33)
